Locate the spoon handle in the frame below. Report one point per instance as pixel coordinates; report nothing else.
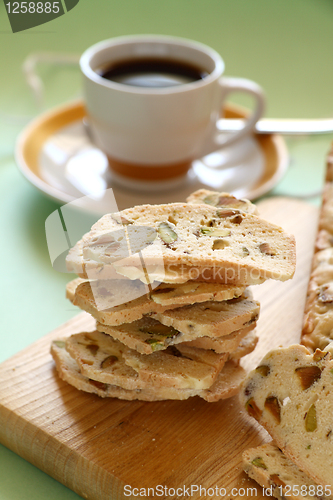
(281, 126)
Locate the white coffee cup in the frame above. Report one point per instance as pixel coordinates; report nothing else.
(154, 133)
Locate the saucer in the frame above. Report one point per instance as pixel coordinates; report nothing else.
(55, 154)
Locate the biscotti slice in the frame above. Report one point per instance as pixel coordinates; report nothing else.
(88, 270)
(246, 346)
(247, 248)
(147, 335)
(181, 366)
(226, 385)
(91, 270)
(211, 319)
(272, 469)
(71, 288)
(104, 359)
(69, 371)
(75, 263)
(98, 297)
(227, 343)
(192, 292)
(169, 274)
(290, 394)
(225, 200)
(93, 352)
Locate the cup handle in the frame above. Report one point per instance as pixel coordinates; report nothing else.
(228, 85)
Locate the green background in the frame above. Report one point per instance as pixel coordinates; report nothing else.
(286, 46)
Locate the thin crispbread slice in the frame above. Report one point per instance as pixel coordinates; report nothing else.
(247, 345)
(221, 199)
(170, 274)
(69, 371)
(104, 359)
(148, 335)
(211, 319)
(228, 343)
(145, 335)
(94, 353)
(98, 297)
(72, 286)
(290, 394)
(273, 470)
(182, 366)
(193, 292)
(242, 247)
(90, 270)
(227, 384)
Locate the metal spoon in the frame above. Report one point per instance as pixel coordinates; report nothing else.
(281, 126)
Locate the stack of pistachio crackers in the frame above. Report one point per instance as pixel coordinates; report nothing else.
(168, 287)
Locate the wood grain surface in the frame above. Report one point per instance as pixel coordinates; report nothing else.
(96, 446)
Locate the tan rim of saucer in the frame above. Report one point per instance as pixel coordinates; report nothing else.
(34, 136)
(31, 141)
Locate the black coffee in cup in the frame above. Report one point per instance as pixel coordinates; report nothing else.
(152, 72)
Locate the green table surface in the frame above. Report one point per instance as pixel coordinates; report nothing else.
(286, 46)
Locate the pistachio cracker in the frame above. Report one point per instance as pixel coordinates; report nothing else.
(108, 300)
(179, 241)
(226, 385)
(222, 199)
(212, 318)
(111, 362)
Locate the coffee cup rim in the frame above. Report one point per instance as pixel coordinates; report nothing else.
(89, 72)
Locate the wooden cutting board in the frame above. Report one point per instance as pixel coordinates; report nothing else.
(96, 447)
